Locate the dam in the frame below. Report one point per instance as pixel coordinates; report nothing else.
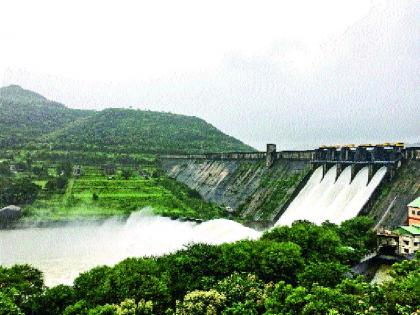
(332, 183)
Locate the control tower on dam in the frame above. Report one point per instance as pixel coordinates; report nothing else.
(374, 157)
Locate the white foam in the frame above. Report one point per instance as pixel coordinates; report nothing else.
(328, 199)
(63, 252)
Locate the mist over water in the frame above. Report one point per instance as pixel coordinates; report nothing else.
(325, 198)
(64, 252)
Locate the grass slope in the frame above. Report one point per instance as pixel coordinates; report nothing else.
(118, 197)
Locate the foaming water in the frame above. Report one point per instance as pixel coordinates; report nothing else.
(63, 252)
(329, 199)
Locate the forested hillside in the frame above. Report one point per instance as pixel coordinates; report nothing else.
(29, 118)
(26, 116)
(127, 130)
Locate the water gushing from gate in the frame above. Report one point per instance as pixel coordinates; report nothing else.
(325, 198)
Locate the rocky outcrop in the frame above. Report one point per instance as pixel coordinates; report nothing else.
(248, 188)
(9, 214)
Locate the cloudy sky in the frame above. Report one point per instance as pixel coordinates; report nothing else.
(298, 73)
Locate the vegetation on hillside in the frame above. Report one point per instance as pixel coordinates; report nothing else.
(303, 269)
(126, 130)
(57, 188)
(29, 119)
(25, 116)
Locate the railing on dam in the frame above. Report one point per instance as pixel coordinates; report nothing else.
(359, 155)
(377, 154)
(218, 156)
(412, 153)
(292, 155)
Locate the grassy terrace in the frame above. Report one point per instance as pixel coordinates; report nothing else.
(118, 196)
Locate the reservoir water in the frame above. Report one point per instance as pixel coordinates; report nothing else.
(63, 252)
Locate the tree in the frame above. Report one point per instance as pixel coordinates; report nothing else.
(107, 309)
(199, 266)
(242, 291)
(65, 168)
(56, 184)
(402, 294)
(126, 173)
(17, 191)
(40, 171)
(201, 303)
(322, 300)
(138, 278)
(357, 233)
(93, 286)
(7, 306)
(274, 302)
(327, 274)
(78, 308)
(280, 261)
(5, 168)
(22, 284)
(54, 300)
(316, 242)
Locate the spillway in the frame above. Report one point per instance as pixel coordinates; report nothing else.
(325, 198)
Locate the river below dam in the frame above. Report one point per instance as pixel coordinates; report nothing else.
(61, 253)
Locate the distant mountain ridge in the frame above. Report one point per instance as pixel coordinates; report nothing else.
(27, 117)
(14, 93)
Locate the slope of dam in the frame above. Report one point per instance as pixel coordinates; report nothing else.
(390, 205)
(249, 188)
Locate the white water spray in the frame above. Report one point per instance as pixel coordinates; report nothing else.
(328, 199)
(63, 252)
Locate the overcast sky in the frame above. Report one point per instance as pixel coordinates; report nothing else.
(293, 72)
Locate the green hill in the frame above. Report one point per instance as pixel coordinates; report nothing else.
(27, 117)
(126, 130)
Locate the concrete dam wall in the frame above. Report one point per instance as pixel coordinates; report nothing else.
(262, 186)
(390, 205)
(247, 187)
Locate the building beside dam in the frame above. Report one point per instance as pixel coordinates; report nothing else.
(404, 240)
(413, 216)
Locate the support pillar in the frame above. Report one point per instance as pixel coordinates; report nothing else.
(354, 169)
(391, 172)
(339, 170)
(371, 172)
(271, 154)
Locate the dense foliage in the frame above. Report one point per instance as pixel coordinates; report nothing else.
(17, 191)
(29, 119)
(274, 275)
